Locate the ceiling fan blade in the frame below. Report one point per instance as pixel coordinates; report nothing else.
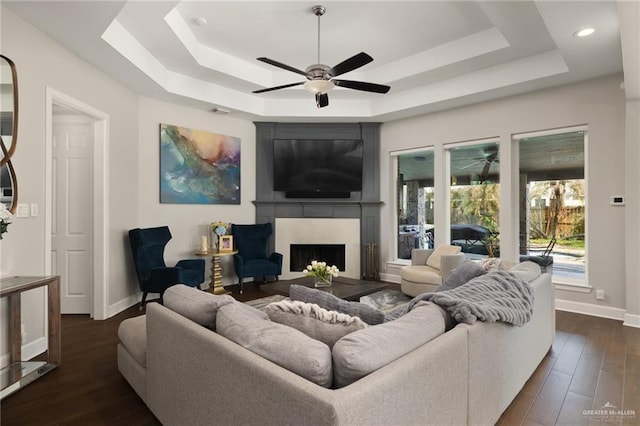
(356, 61)
(485, 171)
(361, 85)
(284, 86)
(281, 65)
(473, 164)
(322, 100)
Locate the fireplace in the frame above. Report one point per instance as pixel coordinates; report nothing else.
(354, 221)
(302, 254)
(318, 238)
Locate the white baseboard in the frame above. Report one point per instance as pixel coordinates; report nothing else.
(631, 320)
(28, 351)
(390, 278)
(123, 305)
(35, 348)
(590, 309)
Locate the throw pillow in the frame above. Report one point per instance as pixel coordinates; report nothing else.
(434, 259)
(364, 351)
(491, 264)
(466, 271)
(527, 271)
(328, 301)
(314, 321)
(197, 305)
(280, 344)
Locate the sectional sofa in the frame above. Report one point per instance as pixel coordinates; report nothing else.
(188, 374)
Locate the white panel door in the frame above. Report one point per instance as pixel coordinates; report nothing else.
(72, 239)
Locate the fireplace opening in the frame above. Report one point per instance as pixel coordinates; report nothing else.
(302, 254)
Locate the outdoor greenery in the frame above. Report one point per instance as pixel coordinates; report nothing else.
(478, 205)
(565, 243)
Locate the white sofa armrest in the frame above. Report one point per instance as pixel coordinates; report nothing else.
(420, 256)
(448, 263)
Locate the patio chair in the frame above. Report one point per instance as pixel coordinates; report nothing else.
(545, 260)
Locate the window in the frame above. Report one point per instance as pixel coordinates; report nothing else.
(475, 198)
(415, 201)
(553, 201)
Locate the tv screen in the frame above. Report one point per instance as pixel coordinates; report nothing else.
(305, 165)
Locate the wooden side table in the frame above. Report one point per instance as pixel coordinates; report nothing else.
(20, 373)
(215, 286)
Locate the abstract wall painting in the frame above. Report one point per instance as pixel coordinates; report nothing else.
(198, 167)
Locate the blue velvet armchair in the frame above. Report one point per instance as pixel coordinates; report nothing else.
(154, 276)
(252, 260)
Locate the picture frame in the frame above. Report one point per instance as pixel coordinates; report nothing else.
(226, 243)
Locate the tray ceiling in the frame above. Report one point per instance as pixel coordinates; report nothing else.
(434, 54)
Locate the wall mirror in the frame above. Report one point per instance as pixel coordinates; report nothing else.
(8, 132)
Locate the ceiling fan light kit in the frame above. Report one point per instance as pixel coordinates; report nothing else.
(319, 86)
(320, 77)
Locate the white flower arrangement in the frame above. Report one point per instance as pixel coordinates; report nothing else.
(5, 219)
(320, 269)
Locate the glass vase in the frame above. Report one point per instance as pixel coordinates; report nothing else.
(320, 282)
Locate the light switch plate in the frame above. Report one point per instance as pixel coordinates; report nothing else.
(23, 210)
(34, 210)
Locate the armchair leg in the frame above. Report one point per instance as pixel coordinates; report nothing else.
(240, 285)
(144, 296)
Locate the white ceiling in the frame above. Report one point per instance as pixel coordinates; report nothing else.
(433, 54)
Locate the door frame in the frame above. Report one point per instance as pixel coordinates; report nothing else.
(100, 120)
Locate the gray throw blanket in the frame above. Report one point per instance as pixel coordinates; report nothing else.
(496, 296)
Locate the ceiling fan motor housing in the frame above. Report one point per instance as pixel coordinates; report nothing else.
(318, 71)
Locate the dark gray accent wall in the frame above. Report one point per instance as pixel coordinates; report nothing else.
(364, 205)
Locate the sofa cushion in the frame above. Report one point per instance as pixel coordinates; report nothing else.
(280, 344)
(465, 272)
(197, 305)
(132, 333)
(527, 271)
(421, 274)
(364, 351)
(328, 301)
(314, 321)
(434, 259)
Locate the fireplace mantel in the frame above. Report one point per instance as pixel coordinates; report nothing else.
(364, 205)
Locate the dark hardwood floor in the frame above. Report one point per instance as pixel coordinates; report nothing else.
(593, 361)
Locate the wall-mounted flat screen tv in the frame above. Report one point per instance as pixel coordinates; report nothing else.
(317, 166)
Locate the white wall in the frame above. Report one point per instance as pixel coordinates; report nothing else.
(599, 104)
(43, 63)
(132, 175)
(632, 227)
(183, 220)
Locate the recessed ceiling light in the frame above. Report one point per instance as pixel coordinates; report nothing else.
(584, 32)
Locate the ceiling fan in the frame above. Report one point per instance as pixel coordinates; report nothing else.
(488, 158)
(320, 77)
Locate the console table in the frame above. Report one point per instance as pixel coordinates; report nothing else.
(20, 373)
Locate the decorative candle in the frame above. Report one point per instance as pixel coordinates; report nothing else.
(204, 243)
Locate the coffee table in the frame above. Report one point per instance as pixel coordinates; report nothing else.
(345, 288)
